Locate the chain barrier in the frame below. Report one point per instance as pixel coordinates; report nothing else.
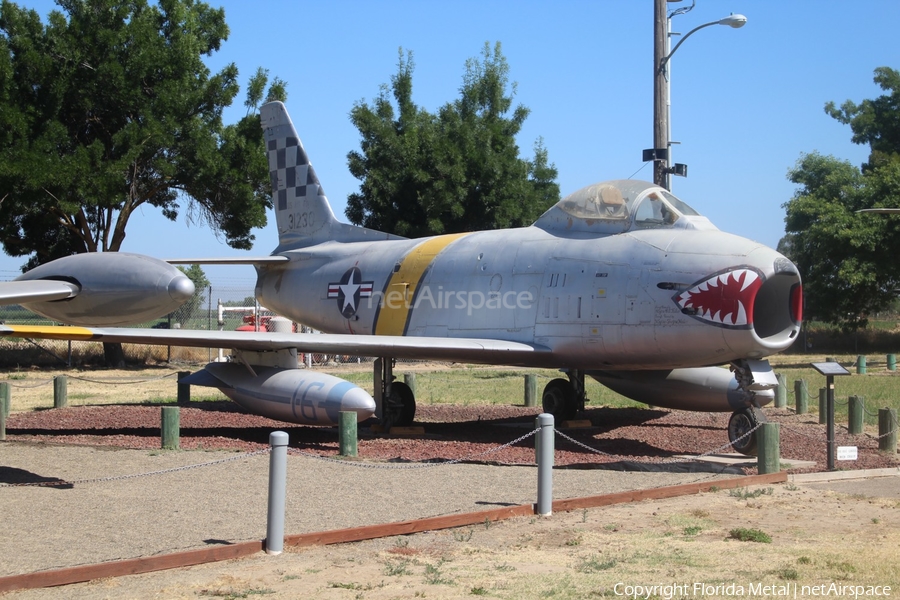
(135, 475)
(788, 428)
(668, 460)
(122, 381)
(412, 465)
(29, 387)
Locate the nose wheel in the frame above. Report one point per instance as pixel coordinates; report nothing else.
(740, 425)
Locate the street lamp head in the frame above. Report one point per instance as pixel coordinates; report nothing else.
(733, 20)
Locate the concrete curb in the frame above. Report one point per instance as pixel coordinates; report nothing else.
(841, 475)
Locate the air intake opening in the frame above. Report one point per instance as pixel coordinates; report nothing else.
(778, 308)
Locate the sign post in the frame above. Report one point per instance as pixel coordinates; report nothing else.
(830, 370)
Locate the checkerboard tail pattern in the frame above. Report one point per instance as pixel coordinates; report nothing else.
(301, 207)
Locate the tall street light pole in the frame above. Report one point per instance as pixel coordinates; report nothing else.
(660, 154)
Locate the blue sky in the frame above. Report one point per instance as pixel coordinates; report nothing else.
(746, 103)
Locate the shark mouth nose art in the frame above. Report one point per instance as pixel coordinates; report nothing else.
(725, 299)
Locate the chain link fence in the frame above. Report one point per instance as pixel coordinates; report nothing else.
(229, 308)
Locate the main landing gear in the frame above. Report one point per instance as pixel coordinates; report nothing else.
(564, 398)
(395, 403)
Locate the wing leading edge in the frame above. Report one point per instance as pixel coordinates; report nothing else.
(483, 351)
(46, 290)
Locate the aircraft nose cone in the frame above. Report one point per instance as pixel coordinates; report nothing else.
(358, 400)
(181, 288)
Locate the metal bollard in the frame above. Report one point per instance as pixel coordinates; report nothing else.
(545, 443)
(278, 440)
(530, 390)
(861, 365)
(891, 362)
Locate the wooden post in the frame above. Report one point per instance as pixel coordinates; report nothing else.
(347, 438)
(823, 406)
(5, 392)
(769, 449)
(4, 404)
(170, 426)
(184, 389)
(530, 390)
(801, 390)
(60, 391)
(410, 380)
(861, 365)
(856, 413)
(780, 391)
(891, 362)
(887, 430)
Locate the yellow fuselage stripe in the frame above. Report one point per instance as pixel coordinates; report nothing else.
(400, 291)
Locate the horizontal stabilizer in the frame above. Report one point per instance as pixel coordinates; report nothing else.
(250, 260)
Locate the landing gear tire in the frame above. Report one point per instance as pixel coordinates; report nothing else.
(400, 408)
(739, 424)
(560, 399)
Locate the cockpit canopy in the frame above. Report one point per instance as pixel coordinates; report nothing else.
(619, 206)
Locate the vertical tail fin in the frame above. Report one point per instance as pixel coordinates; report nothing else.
(302, 212)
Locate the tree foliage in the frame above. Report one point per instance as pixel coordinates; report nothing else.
(845, 257)
(456, 170)
(107, 108)
(201, 286)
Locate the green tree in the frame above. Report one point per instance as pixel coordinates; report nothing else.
(457, 170)
(843, 256)
(875, 122)
(109, 108)
(191, 309)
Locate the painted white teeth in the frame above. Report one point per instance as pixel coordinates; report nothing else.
(749, 278)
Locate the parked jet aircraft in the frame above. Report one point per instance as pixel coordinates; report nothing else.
(620, 281)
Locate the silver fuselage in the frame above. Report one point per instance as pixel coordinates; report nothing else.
(596, 302)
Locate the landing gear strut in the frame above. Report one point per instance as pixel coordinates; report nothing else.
(395, 401)
(563, 398)
(752, 377)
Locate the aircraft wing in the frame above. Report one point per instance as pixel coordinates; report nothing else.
(469, 350)
(23, 292)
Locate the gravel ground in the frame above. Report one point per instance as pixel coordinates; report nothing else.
(110, 518)
(451, 432)
(116, 517)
